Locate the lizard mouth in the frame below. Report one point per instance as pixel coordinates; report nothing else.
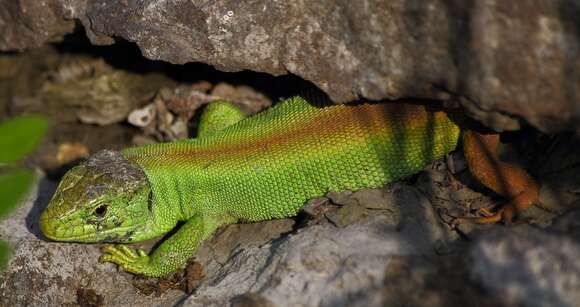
(46, 227)
(54, 230)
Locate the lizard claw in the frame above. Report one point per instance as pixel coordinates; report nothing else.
(129, 259)
(505, 214)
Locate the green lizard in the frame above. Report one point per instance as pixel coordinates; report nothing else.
(254, 169)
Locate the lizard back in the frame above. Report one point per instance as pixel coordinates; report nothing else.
(267, 166)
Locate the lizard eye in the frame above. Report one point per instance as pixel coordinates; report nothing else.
(101, 210)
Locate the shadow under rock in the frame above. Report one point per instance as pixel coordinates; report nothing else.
(416, 281)
(418, 223)
(46, 189)
(504, 259)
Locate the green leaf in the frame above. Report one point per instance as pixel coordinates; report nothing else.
(20, 135)
(5, 253)
(13, 186)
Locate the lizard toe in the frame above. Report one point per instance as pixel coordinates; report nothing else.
(125, 257)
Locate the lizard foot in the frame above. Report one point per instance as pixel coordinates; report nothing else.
(508, 180)
(505, 214)
(131, 260)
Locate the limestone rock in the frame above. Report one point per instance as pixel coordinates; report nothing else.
(504, 60)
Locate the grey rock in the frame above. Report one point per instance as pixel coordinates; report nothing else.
(505, 60)
(326, 265)
(373, 199)
(316, 265)
(432, 282)
(251, 300)
(341, 198)
(104, 98)
(346, 215)
(30, 23)
(529, 267)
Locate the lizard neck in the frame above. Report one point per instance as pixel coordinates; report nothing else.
(172, 184)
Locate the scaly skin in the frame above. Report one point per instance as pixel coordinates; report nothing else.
(263, 167)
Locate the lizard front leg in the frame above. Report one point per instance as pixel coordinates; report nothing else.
(217, 116)
(170, 256)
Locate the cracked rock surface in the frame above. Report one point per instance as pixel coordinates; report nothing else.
(504, 60)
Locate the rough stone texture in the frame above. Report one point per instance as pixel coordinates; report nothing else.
(314, 267)
(328, 265)
(529, 267)
(504, 59)
(32, 23)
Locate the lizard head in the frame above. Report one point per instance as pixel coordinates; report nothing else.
(104, 199)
